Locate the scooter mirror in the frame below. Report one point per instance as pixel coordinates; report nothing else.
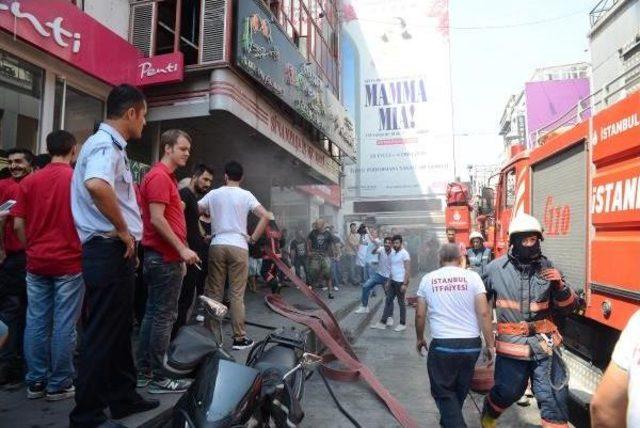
(213, 308)
(311, 361)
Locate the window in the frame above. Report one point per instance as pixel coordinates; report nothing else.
(21, 85)
(311, 24)
(76, 112)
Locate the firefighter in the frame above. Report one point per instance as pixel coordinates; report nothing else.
(528, 293)
(478, 255)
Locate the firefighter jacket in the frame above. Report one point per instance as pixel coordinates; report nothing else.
(522, 294)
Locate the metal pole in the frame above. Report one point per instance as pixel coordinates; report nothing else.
(178, 27)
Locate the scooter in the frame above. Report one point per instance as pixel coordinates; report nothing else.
(264, 392)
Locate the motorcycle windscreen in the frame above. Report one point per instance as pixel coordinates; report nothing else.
(223, 393)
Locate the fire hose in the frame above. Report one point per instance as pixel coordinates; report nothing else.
(326, 328)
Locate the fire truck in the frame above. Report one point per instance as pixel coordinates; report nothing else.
(583, 183)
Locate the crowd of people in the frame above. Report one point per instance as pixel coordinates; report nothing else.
(84, 248)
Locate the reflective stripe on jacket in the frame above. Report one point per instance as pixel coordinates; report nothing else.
(521, 294)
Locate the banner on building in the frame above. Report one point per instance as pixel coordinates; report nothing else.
(405, 129)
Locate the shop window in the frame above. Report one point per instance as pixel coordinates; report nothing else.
(76, 112)
(20, 103)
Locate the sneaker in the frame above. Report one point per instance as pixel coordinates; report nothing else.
(379, 326)
(330, 296)
(325, 288)
(143, 380)
(390, 322)
(336, 289)
(169, 386)
(523, 401)
(62, 394)
(362, 310)
(200, 318)
(239, 344)
(36, 390)
(400, 327)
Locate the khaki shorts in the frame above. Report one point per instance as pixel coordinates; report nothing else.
(319, 268)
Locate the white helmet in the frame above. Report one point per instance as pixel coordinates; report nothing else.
(474, 235)
(525, 223)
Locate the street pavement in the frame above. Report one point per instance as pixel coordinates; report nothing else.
(16, 411)
(390, 355)
(394, 361)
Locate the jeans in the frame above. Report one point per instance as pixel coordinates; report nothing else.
(364, 273)
(106, 373)
(450, 364)
(50, 336)
(300, 263)
(511, 378)
(370, 285)
(394, 292)
(13, 307)
(190, 285)
(336, 273)
(164, 281)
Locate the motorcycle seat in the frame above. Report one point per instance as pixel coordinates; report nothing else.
(190, 347)
(281, 358)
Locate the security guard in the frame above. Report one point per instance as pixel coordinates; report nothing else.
(529, 291)
(478, 256)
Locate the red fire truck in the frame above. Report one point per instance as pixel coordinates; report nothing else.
(583, 184)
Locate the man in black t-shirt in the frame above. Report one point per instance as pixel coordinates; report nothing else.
(200, 184)
(319, 245)
(298, 251)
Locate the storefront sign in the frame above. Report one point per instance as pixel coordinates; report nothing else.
(165, 69)
(330, 194)
(59, 28)
(265, 52)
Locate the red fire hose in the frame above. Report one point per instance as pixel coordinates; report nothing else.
(326, 327)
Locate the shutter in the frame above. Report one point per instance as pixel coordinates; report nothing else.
(213, 31)
(143, 26)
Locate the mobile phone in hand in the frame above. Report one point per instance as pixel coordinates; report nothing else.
(7, 205)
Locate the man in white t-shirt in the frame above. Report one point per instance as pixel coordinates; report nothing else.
(458, 310)
(229, 207)
(618, 396)
(396, 287)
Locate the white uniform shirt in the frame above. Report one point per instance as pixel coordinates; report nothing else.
(450, 296)
(397, 264)
(229, 207)
(104, 156)
(626, 355)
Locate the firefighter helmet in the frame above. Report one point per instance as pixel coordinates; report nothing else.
(523, 223)
(475, 235)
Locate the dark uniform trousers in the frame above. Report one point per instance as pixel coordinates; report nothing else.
(106, 372)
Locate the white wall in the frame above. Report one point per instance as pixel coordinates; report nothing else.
(110, 13)
(613, 33)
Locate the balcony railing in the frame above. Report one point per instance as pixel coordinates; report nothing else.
(600, 10)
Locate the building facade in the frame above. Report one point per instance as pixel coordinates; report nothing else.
(253, 81)
(615, 50)
(547, 98)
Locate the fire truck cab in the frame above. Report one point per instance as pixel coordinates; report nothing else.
(583, 184)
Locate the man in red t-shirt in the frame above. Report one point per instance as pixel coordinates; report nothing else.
(165, 254)
(13, 296)
(44, 224)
